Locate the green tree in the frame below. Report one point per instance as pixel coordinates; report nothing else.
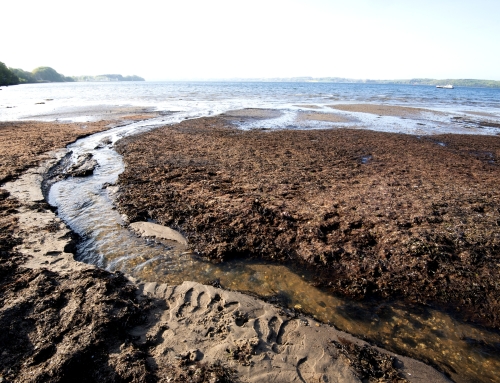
(6, 76)
(25, 77)
(47, 74)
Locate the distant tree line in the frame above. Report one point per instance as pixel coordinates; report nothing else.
(108, 77)
(7, 77)
(414, 81)
(455, 82)
(15, 76)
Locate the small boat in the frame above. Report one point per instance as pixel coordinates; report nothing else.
(449, 86)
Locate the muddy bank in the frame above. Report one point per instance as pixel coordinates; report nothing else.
(63, 320)
(375, 214)
(383, 110)
(25, 143)
(328, 117)
(65, 324)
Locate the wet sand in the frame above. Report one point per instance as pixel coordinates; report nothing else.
(95, 113)
(482, 114)
(383, 110)
(251, 113)
(327, 117)
(63, 320)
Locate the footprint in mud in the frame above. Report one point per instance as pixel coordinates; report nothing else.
(267, 330)
(185, 302)
(285, 330)
(273, 326)
(274, 332)
(203, 300)
(230, 306)
(239, 318)
(215, 300)
(196, 301)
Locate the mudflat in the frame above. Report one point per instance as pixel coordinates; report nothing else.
(328, 117)
(375, 214)
(63, 320)
(25, 143)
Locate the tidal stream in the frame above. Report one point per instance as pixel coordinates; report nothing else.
(468, 353)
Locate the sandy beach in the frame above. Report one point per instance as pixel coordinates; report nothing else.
(63, 320)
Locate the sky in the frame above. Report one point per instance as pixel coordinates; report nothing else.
(222, 39)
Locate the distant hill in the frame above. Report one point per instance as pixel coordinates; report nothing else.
(14, 76)
(24, 76)
(40, 74)
(47, 74)
(108, 77)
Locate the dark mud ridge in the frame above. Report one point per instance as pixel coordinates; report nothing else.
(374, 214)
(83, 166)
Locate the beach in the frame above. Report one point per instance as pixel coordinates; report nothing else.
(249, 232)
(63, 319)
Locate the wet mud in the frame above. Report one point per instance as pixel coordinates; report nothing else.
(72, 324)
(383, 110)
(374, 215)
(63, 320)
(24, 144)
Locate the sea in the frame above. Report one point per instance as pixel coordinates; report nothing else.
(460, 110)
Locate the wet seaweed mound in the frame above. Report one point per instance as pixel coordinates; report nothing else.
(375, 214)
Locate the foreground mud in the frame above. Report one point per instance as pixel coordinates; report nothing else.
(24, 144)
(58, 323)
(63, 320)
(375, 214)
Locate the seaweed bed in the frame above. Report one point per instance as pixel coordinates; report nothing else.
(375, 214)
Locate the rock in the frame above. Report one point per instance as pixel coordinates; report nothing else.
(106, 141)
(84, 166)
(149, 229)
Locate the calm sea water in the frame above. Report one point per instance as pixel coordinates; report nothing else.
(87, 101)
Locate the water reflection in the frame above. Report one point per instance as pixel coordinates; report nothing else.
(466, 352)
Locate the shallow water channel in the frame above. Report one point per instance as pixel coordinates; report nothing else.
(468, 353)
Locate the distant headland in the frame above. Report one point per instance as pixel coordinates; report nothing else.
(43, 74)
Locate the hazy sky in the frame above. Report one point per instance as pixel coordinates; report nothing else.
(201, 39)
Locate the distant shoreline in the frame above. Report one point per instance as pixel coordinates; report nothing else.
(467, 83)
(456, 83)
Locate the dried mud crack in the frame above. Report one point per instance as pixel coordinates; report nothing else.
(375, 214)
